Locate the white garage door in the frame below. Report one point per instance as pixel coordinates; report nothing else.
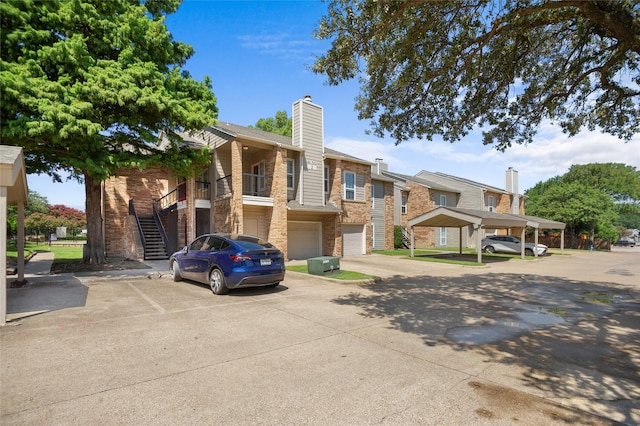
(352, 240)
(304, 240)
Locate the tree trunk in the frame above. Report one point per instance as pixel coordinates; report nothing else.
(95, 252)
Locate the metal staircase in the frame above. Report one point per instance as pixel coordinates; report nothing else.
(150, 235)
(153, 244)
(406, 238)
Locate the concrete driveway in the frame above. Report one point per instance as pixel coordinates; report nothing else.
(550, 341)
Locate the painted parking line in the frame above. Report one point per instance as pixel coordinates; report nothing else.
(152, 302)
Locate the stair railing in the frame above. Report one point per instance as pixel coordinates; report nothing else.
(160, 225)
(406, 239)
(132, 211)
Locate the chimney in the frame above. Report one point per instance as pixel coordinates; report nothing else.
(512, 181)
(308, 133)
(380, 166)
(512, 188)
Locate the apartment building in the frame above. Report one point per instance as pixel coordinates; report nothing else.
(306, 199)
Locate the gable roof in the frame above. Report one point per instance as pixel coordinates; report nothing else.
(443, 216)
(222, 132)
(420, 181)
(468, 182)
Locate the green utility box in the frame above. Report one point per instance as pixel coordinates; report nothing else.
(323, 265)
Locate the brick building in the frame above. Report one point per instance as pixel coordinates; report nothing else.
(306, 199)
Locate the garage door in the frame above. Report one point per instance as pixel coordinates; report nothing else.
(352, 240)
(304, 239)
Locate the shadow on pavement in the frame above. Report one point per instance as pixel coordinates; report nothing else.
(574, 339)
(39, 298)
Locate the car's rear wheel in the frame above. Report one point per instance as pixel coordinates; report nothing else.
(216, 282)
(489, 249)
(528, 252)
(174, 269)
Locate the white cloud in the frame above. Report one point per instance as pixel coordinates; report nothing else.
(550, 155)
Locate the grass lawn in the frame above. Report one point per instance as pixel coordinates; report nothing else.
(69, 259)
(342, 275)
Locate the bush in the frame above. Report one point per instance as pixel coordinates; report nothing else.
(397, 236)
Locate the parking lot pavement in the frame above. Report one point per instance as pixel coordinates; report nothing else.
(551, 341)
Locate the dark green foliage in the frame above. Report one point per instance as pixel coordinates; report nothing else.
(397, 236)
(446, 67)
(587, 198)
(281, 124)
(87, 87)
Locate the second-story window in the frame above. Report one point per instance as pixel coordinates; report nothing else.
(403, 207)
(291, 173)
(349, 186)
(491, 203)
(443, 200)
(326, 180)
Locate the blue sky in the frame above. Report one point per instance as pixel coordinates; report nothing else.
(257, 54)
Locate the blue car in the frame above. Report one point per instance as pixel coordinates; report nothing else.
(229, 261)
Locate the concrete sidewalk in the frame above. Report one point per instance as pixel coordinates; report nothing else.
(46, 292)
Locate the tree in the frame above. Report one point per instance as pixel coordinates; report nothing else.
(577, 205)
(446, 67)
(87, 87)
(620, 181)
(36, 203)
(280, 125)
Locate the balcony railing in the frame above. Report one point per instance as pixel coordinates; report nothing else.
(252, 184)
(202, 192)
(256, 185)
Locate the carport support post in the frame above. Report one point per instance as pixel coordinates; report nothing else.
(562, 242)
(3, 255)
(522, 243)
(535, 242)
(412, 243)
(478, 228)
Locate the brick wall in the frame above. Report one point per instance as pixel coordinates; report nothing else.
(142, 186)
(419, 202)
(357, 212)
(276, 166)
(388, 216)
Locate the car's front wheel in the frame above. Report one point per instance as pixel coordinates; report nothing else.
(528, 252)
(174, 269)
(489, 249)
(216, 282)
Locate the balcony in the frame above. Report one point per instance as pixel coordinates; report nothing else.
(202, 196)
(255, 189)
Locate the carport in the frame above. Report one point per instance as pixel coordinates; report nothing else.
(454, 217)
(541, 223)
(13, 191)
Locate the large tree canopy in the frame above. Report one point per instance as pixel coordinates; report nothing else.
(592, 197)
(281, 124)
(431, 68)
(88, 85)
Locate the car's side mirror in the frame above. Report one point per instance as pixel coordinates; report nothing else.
(185, 249)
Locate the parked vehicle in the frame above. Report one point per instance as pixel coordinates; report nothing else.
(625, 243)
(229, 261)
(512, 245)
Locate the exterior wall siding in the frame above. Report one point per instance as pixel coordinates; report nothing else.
(142, 186)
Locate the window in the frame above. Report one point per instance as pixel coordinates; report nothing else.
(258, 178)
(404, 203)
(442, 200)
(326, 180)
(373, 196)
(349, 186)
(443, 236)
(200, 244)
(373, 235)
(291, 174)
(491, 203)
